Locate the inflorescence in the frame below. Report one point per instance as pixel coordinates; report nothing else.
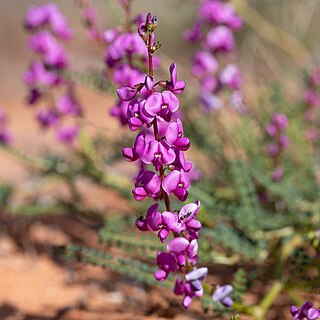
(45, 76)
(213, 65)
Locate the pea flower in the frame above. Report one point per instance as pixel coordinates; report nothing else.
(221, 294)
(306, 311)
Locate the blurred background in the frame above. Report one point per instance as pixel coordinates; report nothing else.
(280, 38)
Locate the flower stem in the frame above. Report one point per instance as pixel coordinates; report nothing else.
(154, 123)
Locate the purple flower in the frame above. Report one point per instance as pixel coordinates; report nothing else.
(177, 182)
(204, 63)
(220, 38)
(174, 135)
(180, 162)
(38, 75)
(237, 102)
(174, 85)
(272, 130)
(45, 43)
(147, 184)
(183, 248)
(283, 141)
(158, 153)
(110, 35)
(277, 174)
(47, 117)
(280, 120)
(67, 134)
(221, 294)
(306, 311)
(136, 114)
(139, 146)
(162, 222)
(210, 101)
(194, 34)
(273, 150)
(66, 104)
(230, 76)
(192, 287)
(38, 16)
(162, 105)
(126, 93)
(167, 263)
(126, 76)
(120, 111)
(189, 211)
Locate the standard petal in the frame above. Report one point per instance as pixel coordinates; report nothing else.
(177, 245)
(153, 104)
(197, 274)
(189, 211)
(170, 100)
(171, 181)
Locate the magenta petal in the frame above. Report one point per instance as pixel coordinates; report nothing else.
(186, 302)
(313, 314)
(153, 104)
(166, 261)
(170, 100)
(171, 181)
(163, 235)
(178, 287)
(160, 275)
(173, 73)
(135, 123)
(154, 218)
(181, 258)
(153, 185)
(167, 153)
(181, 194)
(189, 211)
(172, 133)
(139, 144)
(152, 148)
(170, 220)
(193, 248)
(139, 193)
(126, 93)
(194, 225)
(177, 245)
(127, 154)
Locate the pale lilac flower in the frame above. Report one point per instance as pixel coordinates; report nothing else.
(221, 294)
(210, 101)
(193, 34)
(192, 287)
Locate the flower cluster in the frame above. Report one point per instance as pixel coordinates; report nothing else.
(5, 135)
(213, 29)
(160, 146)
(312, 104)
(44, 76)
(306, 311)
(275, 130)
